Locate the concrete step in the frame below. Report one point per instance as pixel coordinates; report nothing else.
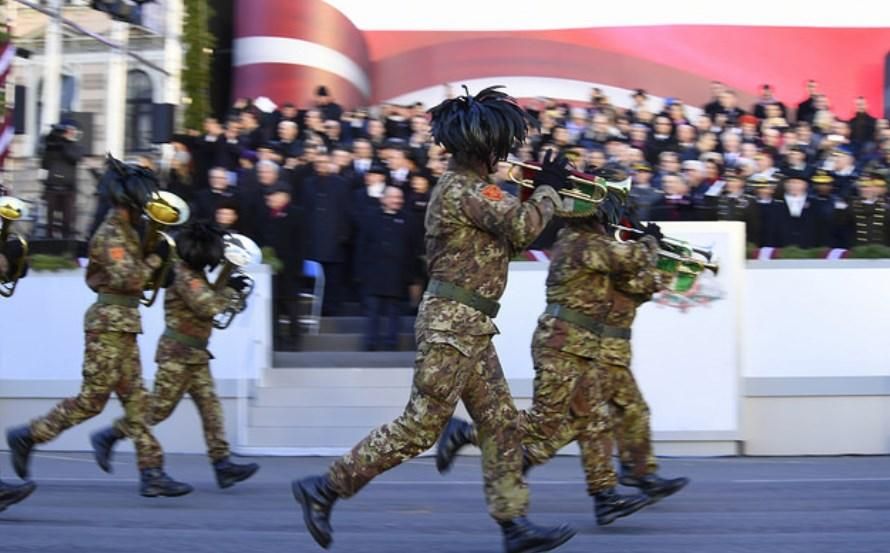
(347, 342)
(345, 359)
(332, 397)
(356, 325)
(337, 377)
(323, 417)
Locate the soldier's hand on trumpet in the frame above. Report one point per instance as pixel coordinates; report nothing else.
(238, 282)
(555, 171)
(653, 230)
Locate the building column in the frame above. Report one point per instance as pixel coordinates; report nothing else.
(52, 69)
(116, 98)
(172, 93)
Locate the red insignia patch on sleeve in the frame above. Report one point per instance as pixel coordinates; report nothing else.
(493, 192)
(195, 284)
(117, 253)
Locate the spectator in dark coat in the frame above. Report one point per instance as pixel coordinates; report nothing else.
(326, 198)
(642, 195)
(60, 158)
(806, 110)
(676, 204)
(388, 243)
(769, 213)
(797, 226)
(220, 189)
(331, 110)
(282, 231)
(828, 208)
(862, 125)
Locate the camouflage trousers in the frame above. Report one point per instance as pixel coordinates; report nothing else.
(607, 408)
(442, 376)
(172, 381)
(111, 364)
(586, 420)
(630, 418)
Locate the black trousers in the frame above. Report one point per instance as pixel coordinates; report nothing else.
(60, 207)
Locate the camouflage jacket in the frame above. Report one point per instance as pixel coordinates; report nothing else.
(189, 307)
(627, 295)
(473, 229)
(115, 267)
(584, 265)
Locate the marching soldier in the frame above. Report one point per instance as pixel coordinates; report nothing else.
(11, 494)
(118, 271)
(190, 305)
(865, 220)
(473, 230)
(584, 266)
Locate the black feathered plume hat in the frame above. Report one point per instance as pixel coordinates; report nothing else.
(126, 184)
(200, 245)
(481, 129)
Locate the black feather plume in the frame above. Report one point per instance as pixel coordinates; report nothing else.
(482, 129)
(200, 245)
(127, 185)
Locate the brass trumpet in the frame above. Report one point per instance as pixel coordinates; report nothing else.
(11, 210)
(598, 184)
(673, 244)
(163, 210)
(677, 251)
(239, 252)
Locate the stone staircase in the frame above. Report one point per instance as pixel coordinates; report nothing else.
(324, 398)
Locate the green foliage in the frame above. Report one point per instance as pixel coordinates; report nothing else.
(52, 263)
(196, 77)
(270, 259)
(869, 251)
(793, 252)
(751, 250)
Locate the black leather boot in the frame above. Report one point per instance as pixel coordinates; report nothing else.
(10, 494)
(521, 536)
(228, 473)
(103, 445)
(317, 498)
(20, 445)
(156, 483)
(609, 505)
(456, 435)
(656, 487)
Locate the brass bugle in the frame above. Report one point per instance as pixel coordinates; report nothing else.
(707, 253)
(687, 260)
(163, 210)
(599, 184)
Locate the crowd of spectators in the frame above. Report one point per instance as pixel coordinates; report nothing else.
(349, 189)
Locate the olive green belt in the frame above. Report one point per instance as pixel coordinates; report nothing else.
(586, 322)
(117, 299)
(462, 295)
(185, 339)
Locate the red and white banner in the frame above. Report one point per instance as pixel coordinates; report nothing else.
(7, 128)
(398, 51)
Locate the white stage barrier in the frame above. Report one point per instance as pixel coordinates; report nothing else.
(42, 330)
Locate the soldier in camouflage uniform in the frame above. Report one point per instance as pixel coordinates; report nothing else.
(629, 411)
(11, 494)
(585, 264)
(473, 230)
(183, 360)
(118, 272)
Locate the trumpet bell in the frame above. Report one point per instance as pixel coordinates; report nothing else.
(241, 251)
(166, 208)
(12, 209)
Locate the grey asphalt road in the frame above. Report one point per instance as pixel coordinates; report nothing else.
(762, 505)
